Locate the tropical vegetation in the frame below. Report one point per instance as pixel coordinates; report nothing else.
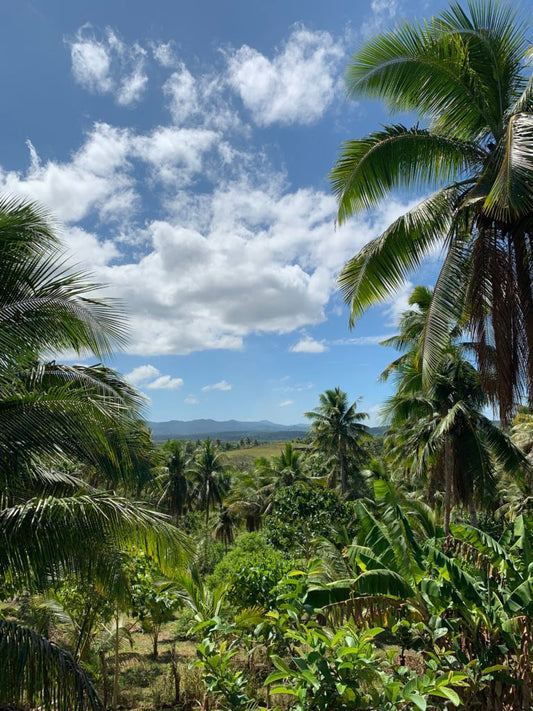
(350, 570)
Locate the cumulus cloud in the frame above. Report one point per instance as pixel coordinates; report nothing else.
(108, 65)
(295, 86)
(221, 385)
(191, 400)
(175, 154)
(150, 377)
(165, 382)
(308, 345)
(141, 374)
(95, 175)
(200, 268)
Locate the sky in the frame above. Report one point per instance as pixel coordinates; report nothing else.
(183, 150)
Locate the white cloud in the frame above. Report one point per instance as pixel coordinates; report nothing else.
(165, 382)
(191, 400)
(361, 340)
(201, 101)
(297, 387)
(246, 255)
(141, 374)
(240, 253)
(296, 86)
(399, 303)
(286, 403)
(221, 385)
(95, 175)
(108, 65)
(181, 90)
(164, 54)
(175, 154)
(308, 345)
(383, 13)
(150, 377)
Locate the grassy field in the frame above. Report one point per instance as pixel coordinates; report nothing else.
(246, 457)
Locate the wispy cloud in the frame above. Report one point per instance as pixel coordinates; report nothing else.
(361, 340)
(106, 65)
(286, 403)
(222, 385)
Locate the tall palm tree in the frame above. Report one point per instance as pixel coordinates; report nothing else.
(464, 73)
(209, 486)
(337, 430)
(50, 414)
(439, 427)
(174, 481)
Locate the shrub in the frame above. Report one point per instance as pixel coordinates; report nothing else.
(252, 569)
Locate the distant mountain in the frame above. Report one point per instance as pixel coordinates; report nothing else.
(228, 429)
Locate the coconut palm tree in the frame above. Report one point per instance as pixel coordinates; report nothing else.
(464, 73)
(439, 428)
(337, 430)
(224, 527)
(209, 488)
(174, 480)
(52, 522)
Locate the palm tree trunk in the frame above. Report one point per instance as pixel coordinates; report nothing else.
(472, 512)
(342, 468)
(447, 485)
(523, 271)
(115, 675)
(103, 664)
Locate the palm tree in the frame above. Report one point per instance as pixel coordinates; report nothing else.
(174, 479)
(439, 428)
(209, 487)
(224, 527)
(463, 72)
(51, 522)
(287, 467)
(337, 430)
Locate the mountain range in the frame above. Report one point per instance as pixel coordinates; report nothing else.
(226, 429)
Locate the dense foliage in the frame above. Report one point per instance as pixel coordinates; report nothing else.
(337, 573)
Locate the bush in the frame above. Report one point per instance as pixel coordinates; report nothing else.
(252, 569)
(301, 514)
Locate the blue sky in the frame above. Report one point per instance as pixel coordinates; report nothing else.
(184, 150)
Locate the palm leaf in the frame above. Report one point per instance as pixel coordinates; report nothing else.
(38, 673)
(384, 264)
(49, 535)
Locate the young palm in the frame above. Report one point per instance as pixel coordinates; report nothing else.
(337, 430)
(464, 74)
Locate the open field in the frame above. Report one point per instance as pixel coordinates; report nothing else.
(246, 457)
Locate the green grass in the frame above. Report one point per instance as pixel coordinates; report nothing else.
(246, 457)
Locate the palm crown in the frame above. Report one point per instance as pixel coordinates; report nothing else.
(464, 73)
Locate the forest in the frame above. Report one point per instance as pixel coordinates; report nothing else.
(345, 570)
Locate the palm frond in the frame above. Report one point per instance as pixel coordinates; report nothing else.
(38, 673)
(396, 157)
(48, 535)
(384, 264)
